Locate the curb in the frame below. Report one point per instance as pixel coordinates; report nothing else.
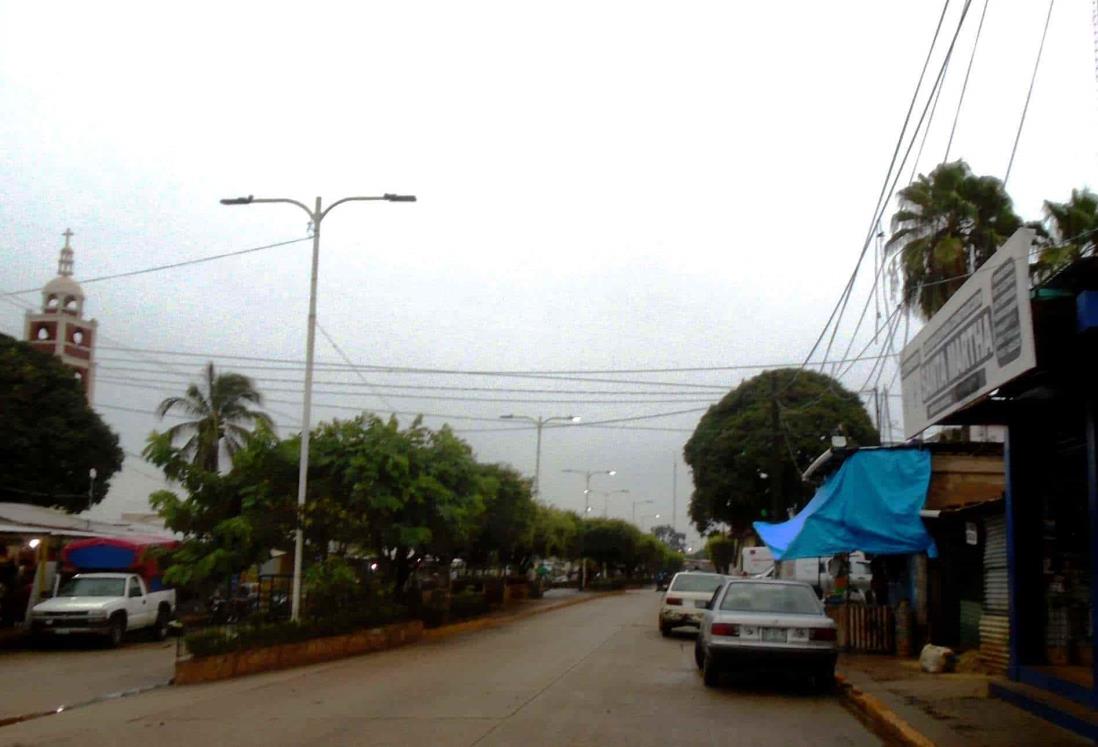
(879, 716)
(484, 623)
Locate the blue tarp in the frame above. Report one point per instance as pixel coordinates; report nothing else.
(871, 504)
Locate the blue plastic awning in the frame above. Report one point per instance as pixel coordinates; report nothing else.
(871, 504)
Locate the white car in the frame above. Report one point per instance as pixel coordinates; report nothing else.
(766, 624)
(686, 597)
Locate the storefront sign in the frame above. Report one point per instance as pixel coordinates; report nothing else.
(981, 339)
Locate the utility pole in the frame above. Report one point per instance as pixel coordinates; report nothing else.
(776, 498)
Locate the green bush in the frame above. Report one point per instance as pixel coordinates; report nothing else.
(223, 640)
(468, 604)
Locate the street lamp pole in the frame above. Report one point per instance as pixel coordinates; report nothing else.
(588, 474)
(539, 422)
(606, 499)
(316, 216)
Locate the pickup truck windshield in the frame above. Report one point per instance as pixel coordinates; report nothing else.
(94, 587)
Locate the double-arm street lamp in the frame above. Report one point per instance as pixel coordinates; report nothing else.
(639, 503)
(606, 495)
(316, 216)
(540, 422)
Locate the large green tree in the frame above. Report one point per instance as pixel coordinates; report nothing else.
(222, 416)
(749, 449)
(948, 224)
(50, 439)
(504, 530)
(1072, 232)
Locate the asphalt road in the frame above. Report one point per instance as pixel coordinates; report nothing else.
(77, 671)
(593, 674)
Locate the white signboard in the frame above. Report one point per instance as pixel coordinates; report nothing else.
(981, 339)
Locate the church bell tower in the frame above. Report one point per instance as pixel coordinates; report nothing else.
(60, 327)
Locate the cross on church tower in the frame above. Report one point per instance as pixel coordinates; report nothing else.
(64, 264)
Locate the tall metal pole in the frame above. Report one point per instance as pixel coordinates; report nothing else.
(306, 417)
(537, 462)
(675, 493)
(586, 508)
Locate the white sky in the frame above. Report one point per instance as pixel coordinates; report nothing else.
(601, 185)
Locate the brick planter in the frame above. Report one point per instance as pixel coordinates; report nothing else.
(269, 658)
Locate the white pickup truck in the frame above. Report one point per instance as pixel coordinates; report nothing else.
(105, 604)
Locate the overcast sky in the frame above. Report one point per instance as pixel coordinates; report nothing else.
(601, 186)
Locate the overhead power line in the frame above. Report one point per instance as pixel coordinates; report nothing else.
(171, 266)
(561, 374)
(1029, 93)
(964, 86)
(840, 304)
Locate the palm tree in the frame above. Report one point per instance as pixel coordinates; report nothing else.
(219, 409)
(1072, 232)
(948, 224)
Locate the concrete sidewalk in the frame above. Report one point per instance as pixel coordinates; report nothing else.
(948, 710)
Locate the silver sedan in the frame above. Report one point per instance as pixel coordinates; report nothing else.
(766, 624)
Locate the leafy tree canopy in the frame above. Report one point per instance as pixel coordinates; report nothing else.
(738, 458)
(50, 438)
(722, 551)
(666, 534)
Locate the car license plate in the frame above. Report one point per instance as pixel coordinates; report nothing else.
(774, 634)
(700, 603)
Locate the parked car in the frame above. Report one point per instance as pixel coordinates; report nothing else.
(686, 597)
(766, 624)
(104, 604)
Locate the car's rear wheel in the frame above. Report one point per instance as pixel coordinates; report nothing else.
(699, 655)
(665, 630)
(711, 673)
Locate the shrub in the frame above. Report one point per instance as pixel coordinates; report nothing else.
(468, 604)
(223, 640)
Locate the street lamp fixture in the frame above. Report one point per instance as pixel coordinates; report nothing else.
(316, 216)
(539, 422)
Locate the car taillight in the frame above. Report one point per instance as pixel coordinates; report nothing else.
(726, 629)
(823, 634)
(673, 601)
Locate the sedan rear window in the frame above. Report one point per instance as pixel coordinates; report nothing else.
(704, 582)
(781, 598)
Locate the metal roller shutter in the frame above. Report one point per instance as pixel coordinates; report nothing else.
(995, 623)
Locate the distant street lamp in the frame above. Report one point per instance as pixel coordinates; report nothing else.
(540, 423)
(316, 216)
(588, 474)
(606, 499)
(639, 503)
(649, 516)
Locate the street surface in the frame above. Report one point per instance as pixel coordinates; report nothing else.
(593, 674)
(72, 672)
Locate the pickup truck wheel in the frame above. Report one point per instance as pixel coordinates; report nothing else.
(160, 627)
(117, 631)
